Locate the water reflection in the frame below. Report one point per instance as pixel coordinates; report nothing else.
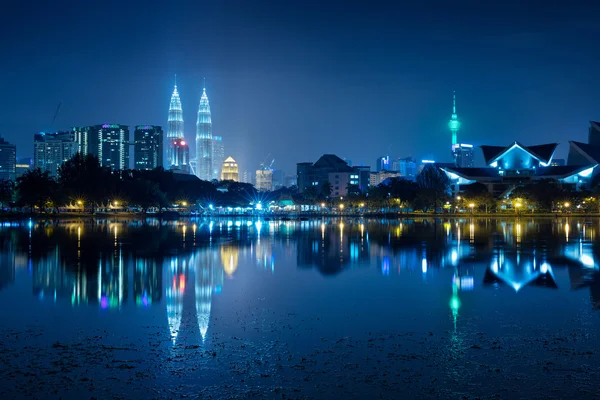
(106, 263)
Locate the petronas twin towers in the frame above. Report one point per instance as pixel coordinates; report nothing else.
(206, 165)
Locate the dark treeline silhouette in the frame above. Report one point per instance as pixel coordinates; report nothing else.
(84, 185)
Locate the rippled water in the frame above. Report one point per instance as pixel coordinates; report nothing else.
(313, 309)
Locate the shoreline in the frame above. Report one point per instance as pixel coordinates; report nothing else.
(5, 217)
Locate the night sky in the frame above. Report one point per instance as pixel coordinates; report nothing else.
(301, 78)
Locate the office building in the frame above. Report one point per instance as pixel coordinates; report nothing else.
(383, 164)
(230, 170)
(180, 156)
(331, 168)
(204, 140)
(8, 160)
(113, 145)
(264, 179)
(377, 178)
(218, 156)
(175, 133)
(407, 167)
(463, 155)
(148, 147)
(517, 165)
(109, 142)
(51, 150)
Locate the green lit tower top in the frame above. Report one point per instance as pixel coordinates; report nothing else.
(454, 123)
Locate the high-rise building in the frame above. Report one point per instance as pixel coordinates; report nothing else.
(218, 156)
(454, 123)
(86, 140)
(278, 179)
(175, 130)
(383, 164)
(594, 134)
(230, 170)
(109, 142)
(51, 150)
(113, 145)
(264, 179)
(407, 168)
(8, 160)
(181, 156)
(148, 147)
(204, 140)
(463, 155)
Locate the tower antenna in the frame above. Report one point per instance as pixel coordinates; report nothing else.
(175, 80)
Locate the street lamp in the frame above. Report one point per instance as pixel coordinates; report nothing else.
(341, 207)
(184, 203)
(322, 205)
(471, 206)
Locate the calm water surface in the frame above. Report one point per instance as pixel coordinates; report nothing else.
(469, 308)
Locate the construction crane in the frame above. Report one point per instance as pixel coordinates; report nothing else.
(262, 164)
(55, 115)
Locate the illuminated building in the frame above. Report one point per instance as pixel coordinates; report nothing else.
(454, 123)
(181, 156)
(463, 155)
(8, 160)
(406, 166)
(204, 140)
(330, 168)
(109, 142)
(379, 177)
(516, 165)
(51, 150)
(230, 170)
(175, 131)
(148, 147)
(383, 164)
(264, 179)
(218, 156)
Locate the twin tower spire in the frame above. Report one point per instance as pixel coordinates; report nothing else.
(175, 134)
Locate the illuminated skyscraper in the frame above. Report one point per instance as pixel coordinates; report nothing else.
(218, 156)
(113, 145)
(204, 140)
(8, 160)
(230, 171)
(454, 123)
(175, 129)
(148, 147)
(51, 150)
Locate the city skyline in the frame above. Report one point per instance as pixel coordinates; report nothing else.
(512, 69)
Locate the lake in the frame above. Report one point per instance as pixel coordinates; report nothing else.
(332, 308)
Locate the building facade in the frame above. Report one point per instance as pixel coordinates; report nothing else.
(463, 155)
(109, 142)
(377, 178)
(175, 133)
(113, 145)
(383, 164)
(230, 170)
(204, 140)
(264, 179)
(407, 167)
(332, 169)
(148, 147)
(8, 160)
(218, 156)
(181, 156)
(51, 150)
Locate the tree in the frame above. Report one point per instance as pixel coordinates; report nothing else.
(434, 186)
(82, 177)
(326, 189)
(36, 188)
(7, 191)
(144, 194)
